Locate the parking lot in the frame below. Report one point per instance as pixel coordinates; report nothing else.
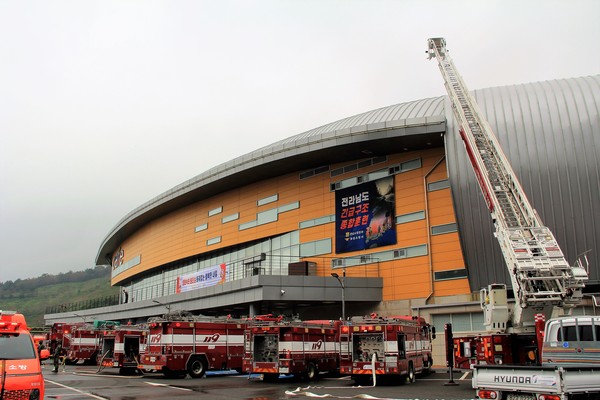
(84, 383)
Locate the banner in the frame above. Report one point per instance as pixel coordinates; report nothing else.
(205, 277)
(365, 216)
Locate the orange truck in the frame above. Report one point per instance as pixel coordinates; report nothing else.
(20, 370)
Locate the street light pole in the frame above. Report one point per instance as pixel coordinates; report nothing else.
(167, 306)
(80, 316)
(343, 285)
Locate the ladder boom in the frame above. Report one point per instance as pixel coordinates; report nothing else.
(540, 276)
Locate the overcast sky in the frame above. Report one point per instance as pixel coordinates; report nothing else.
(107, 104)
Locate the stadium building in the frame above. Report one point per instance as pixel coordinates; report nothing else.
(379, 212)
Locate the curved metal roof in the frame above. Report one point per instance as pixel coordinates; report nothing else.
(550, 133)
(549, 130)
(411, 125)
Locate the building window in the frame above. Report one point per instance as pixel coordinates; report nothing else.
(313, 172)
(410, 217)
(214, 240)
(215, 211)
(267, 200)
(463, 322)
(288, 207)
(451, 274)
(446, 228)
(410, 165)
(247, 225)
(317, 221)
(201, 228)
(439, 185)
(405, 166)
(230, 218)
(315, 248)
(266, 217)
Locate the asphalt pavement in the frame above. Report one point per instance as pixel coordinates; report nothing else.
(85, 382)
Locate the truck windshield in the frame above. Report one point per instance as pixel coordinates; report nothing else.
(16, 347)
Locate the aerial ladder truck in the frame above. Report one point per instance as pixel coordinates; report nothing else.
(541, 278)
(563, 361)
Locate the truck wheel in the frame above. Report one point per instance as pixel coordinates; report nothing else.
(270, 377)
(312, 372)
(196, 367)
(411, 377)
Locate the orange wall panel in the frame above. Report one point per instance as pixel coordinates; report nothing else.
(173, 237)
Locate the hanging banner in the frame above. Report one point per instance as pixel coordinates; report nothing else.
(205, 277)
(365, 216)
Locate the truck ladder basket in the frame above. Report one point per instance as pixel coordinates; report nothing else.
(540, 275)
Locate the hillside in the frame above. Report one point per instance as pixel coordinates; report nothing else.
(34, 296)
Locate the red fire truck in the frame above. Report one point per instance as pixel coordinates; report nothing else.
(61, 332)
(374, 346)
(194, 345)
(301, 348)
(121, 346)
(84, 344)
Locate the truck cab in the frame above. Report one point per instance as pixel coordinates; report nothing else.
(572, 341)
(20, 371)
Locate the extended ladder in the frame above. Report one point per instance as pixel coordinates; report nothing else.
(540, 275)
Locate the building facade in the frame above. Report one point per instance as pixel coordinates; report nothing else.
(379, 212)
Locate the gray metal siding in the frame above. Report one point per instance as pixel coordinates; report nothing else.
(550, 132)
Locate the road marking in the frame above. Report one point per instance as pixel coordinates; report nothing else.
(168, 386)
(93, 396)
(462, 378)
(112, 376)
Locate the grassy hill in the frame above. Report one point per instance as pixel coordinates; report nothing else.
(32, 297)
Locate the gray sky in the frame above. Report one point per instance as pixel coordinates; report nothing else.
(106, 104)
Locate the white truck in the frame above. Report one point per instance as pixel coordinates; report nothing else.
(565, 364)
(570, 366)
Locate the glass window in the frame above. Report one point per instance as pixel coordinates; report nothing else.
(439, 185)
(451, 274)
(215, 211)
(336, 172)
(323, 246)
(410, 165)
(267, 200)
(307, 249)
(307, 224)
(16, 347)
(446, 228)
(378, 174)
(214, 240)
(288, 207)
(247, 225)
(410, 217)
(202, 227)
(266, 217)
(230, 218)
(416, 251)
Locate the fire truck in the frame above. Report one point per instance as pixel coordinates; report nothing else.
(61, 332)
(542, 280)
(301, 348)
(20, 369)
(375, 347)
(194, 345)
(121, 347)
(84, 344)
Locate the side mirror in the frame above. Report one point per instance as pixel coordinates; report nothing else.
(433, 332)
(44, 354)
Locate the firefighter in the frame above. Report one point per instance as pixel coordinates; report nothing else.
(56, 358)
(39, 349)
